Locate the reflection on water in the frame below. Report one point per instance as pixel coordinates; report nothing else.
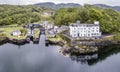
(95, 58)
(83, 59)
(39, 58)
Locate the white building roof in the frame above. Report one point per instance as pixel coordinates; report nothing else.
(85, 25)
(96, 23)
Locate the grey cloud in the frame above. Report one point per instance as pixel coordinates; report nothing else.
(21, 2)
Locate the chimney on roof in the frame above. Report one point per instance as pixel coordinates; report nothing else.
(96, 22)
(78, 21)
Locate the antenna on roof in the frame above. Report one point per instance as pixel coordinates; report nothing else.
(78, 21)
(96, 22)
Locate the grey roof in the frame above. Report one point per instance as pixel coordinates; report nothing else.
(87, 25)
(16, 31)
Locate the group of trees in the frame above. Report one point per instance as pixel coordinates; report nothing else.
(15, 14)
(109, 19)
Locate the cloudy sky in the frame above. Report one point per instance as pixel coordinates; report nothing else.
(22, 2)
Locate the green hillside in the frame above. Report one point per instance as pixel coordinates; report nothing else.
(12, 14)
(109, 19)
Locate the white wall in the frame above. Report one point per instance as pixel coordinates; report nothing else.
(93, 31)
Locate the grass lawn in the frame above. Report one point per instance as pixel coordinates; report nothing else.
(8, 30)
(117, 36)
(36, 33)
(55, 39)
(2, 36)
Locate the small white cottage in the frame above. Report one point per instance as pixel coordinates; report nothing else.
(16, 33)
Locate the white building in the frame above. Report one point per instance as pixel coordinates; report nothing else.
(16, 33)
(85, 30)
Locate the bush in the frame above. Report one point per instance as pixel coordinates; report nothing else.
(23, 31)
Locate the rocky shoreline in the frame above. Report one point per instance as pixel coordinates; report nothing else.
(60, 43)
(70, 50)
(13, 41)
(19, 41)
(84, 50)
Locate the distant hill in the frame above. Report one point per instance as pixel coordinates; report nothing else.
(24, 14)
(117, 8)
(57, 6)
(67, 5)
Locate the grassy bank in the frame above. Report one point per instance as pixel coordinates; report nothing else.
(54, 39)
(36, 33)
(2, 36)
(60, 38)
(7, 32)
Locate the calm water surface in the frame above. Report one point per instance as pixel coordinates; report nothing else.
(39, 58)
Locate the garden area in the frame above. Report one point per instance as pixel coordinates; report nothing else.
(6, 32)
(60, 38)
(36, 33)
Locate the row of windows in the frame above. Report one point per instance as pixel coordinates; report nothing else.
(87, 28)
(87, 31)
(83, 26)
(93, 34)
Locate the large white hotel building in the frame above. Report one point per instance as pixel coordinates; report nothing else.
(85, 30)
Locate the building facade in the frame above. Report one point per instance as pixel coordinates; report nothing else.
(16, 33)
(85, 30)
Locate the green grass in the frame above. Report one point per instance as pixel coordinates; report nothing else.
(59, 38)
(8, 30)
(2, 36)
(117, 36)
(36, 33)
(55, 39)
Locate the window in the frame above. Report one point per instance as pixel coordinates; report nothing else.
(88, 34)
(92, 33)
(74, 34)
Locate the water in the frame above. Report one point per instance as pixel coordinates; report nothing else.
(39, 58)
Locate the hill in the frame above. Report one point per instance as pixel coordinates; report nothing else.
(57, 6)
(117, 8)
(71, 5)
(109, 19)
(15, 14)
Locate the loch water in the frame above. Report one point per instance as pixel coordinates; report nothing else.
(40, 58)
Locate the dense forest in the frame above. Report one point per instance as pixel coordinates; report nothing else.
(109, 19)
(15, 14)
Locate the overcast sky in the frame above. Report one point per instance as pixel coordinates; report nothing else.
(25, 2)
